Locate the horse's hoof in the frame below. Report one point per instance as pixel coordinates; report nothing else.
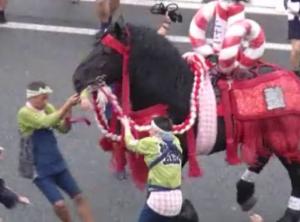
(290, 216)
(249, 204)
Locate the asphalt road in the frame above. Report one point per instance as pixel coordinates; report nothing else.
(31, 55)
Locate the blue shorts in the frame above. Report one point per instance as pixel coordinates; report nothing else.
(50, 185)
(148, 215)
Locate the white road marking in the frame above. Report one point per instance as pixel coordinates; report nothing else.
(189, 4)
(86, 31)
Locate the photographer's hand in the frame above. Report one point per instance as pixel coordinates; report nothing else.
(165, 26)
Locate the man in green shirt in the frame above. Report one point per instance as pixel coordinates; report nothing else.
(40, 158)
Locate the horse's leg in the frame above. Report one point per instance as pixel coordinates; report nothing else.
(246, 185)
(292, 213)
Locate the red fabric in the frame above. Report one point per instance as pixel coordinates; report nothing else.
(197, 42)
(194, 169)
(222, 12)
(235, 9)
(249, 122)
(231, 143)
(249, 100)
(201, 21)
(259, 40)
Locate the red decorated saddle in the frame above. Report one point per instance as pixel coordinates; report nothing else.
(262, 114)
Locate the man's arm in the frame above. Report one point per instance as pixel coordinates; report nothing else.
(142, 146)
(37, 120)
(63, 125)
(165, 26)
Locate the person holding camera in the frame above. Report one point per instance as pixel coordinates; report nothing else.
(293, 12)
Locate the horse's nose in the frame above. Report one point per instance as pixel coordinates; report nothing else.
(78, 85)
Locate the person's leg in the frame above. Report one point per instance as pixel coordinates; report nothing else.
(295, 54)
(103, 11)
(3, 5)
(62, 211)
(83, 208)
(292, 213)
(49, 188)
(68, 184)
(2, 11)
(114, 5)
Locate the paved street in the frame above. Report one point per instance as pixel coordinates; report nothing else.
(27, 55)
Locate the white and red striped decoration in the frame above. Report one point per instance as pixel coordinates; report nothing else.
(225, 13)
(233, 54)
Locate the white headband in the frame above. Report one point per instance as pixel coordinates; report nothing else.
(32, 93)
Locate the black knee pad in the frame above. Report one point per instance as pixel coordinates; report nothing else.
(188, 213)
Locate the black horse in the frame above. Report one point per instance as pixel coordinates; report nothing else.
(159, 75)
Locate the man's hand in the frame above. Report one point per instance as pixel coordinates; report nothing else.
(73, 100)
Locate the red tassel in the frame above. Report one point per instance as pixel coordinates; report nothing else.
(139, 170)
(194, 168)
(232, 153)
(118, 160)
(105, 144)
(231, 147)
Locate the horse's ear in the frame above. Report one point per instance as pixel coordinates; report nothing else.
(119, 27)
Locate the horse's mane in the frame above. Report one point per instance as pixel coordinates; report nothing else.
(157, 65)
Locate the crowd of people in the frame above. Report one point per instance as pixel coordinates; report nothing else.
(41, 160)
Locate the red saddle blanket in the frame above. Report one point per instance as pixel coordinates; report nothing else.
(268, 95)
(263, 115)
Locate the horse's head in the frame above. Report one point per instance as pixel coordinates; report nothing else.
(157, 72)
(103, 63)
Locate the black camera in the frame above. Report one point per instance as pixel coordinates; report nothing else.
(170, 9)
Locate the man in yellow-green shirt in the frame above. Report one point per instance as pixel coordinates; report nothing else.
(40, 158)
(162, 154)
